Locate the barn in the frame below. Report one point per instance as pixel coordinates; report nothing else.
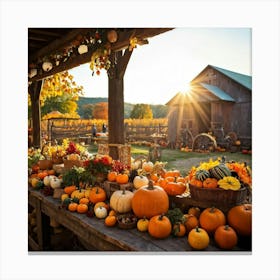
(218, 102)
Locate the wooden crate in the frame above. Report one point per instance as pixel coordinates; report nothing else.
(110, 187)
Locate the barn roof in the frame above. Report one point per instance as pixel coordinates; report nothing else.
(220, 94)
(242, 79)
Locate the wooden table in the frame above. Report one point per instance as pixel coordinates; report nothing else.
(95, 233)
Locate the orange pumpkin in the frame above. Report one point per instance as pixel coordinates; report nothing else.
(150, 201)
(194, 211)
(198, 238)
(211, 218)
(42, 174)
(240, 218)
(51, 172)
(97, 194)
(172, 173)
(225, 237)
(179, 229)
(159, 226)
(101, 203)
(112, 176)
(84, 200)
(190, 222)
(195, 182)
(210, 183)
(69, 189)
(122, 178)
(110, 220)
(82, 208)
(174, 189)
(73, 206)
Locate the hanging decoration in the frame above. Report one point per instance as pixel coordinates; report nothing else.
(132, 43)
(112, 36)
(47, 66)
(100, 60)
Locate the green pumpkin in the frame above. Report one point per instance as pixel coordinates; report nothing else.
(202, 174)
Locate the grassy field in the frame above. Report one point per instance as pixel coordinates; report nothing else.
(185, 160)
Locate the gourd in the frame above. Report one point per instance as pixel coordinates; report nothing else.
(47, 180)
(202, 174)
(78, 194)
(198, 238)
(211, 218)
(229, 183)
(225, 237)
(140, 181)
(120, 201)
(240, 218)
(69, 189)
(173, 188)
(122, 178)
(147, 166)
(82, 208)
(55, 183)
(150, 201)
(110, 220)
(100, 212)
(219, 171)
(112, 175)
(159, 226)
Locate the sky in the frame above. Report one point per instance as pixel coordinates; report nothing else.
(165, 66)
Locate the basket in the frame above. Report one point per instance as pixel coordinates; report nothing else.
(45, 164)
(68, 164)
(217, 197)
(129, 225)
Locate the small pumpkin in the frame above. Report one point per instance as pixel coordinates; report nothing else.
(195, 182)
(179, 229)
(211, 218)
(101, 212)
(140, 181)
(47, 180)
(110, 220)
(142, 224)
(112, 175)
(159, 226)
(240, 219)
(97, 194)
(225, 237)
(55, 183)
(148, 166)
(84, 200)
(72, 206)
(198, 238)
(122, 178)
(190, 222)
(69, 189)
(210, 183)
(101, 203)
(82, 208)
(194, 211)
(121, 200)
(173, 188)
(78, 194)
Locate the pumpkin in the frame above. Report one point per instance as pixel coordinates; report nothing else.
(190, 222)
(82, 208)
(211, 218)
(159, 226)
(112, 213)
(84, 200)
(154, 177)
(42, 174)
(122, 178)
(179, 229)
(150, 201)
(140, 181)
(148, 166)
(198, 238)
(202, 174)
(72, 206)
(110, 220)
(69, 189)
(172, 173)
(240, 218)
(101, 203)
(120, 201)
(47, 180)
(194, 211)
(229, 183)
(173, 188)
(142, 224)
(101, 212)
(112, 175)
(78, 194)
(64, 196)
(97, 194)
(225, 237)
(51, 172)
(195, 182)
(210, 183)
(55, 183)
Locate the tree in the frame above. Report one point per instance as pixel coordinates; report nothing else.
(60, 93)
(100, 111)
(141, 111)
(87, 111)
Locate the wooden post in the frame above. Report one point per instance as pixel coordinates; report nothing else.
(116, 73)
(34, 91)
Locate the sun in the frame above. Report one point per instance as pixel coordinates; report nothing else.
(188, 89)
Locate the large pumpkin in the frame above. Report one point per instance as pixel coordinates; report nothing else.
(97, 194)
(159, 226)
(150, 201)
(240, 218)
(120, 201)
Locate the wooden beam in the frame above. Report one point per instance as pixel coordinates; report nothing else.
(124, 62)
(44, 32)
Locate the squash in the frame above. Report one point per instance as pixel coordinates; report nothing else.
(140, 181)
(112, 175)
(229, 183)
(55, 183)
(72, 206)
(179, 229)
(195, 182)
(150, 201)
(148, 166)
(220, 171)
(211, 218)
(120, 201)
(110, 220)
(82, 208)
(69, 189)
(47, 180)
(173, 188)
(190, 222)
(122, 178)
(202, 174)
(240, 219)
(159, 226)
(78, 194)
(198, 238)
(225, 237)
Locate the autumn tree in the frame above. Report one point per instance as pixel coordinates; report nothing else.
(141, 111)
(87, 111)
(100, 111)
(60, 93)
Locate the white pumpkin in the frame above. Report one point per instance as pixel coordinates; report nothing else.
(120, 201)
(47, 180)
(140, 181)
(101, 212)
(55, 182)
(148, 166)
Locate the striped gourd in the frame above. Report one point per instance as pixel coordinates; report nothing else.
(202, 174)
(220, 171)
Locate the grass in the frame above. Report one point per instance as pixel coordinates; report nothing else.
(184, 160)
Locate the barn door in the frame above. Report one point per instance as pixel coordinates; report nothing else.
(203, 117)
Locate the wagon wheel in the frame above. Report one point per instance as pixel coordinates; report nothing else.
(186, 139)
(231, 138)
(204, 142)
